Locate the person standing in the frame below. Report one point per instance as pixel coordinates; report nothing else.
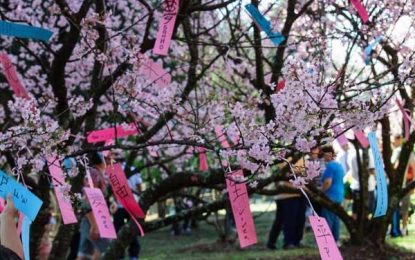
(352, 174)
(278, 224)
(91, 245)
(406, 201)
(395, 230)
(344, 157)
(314, 157)
(333, 187)
(289, 217)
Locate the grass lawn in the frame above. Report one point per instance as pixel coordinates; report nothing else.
(203, 243)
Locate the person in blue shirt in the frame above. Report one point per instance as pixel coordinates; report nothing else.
(333, 187)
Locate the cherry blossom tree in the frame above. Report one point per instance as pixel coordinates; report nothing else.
(273, 102)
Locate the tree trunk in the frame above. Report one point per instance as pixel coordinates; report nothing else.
(62, 241)
(37, 228)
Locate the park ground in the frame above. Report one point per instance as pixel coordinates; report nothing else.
(204, 243)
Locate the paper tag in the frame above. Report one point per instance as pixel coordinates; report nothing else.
(203, 164)
(281, 85)
(222, 137)
(140, 228)
(238, 196)
(263, 24)
(26, 237)
(122, 190)
(360, 135)
(101, 213)
(24, 31)
(166, 27)
(109, 133)
(24, 201)
(325, 240)
(406, 119)
(155, 73)
(58, 179)
(368, 50)
(361, 10)
(381, 185)
(12, 78)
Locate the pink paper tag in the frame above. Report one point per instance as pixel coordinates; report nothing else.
(58, 179)
(109, 133)
(361, 10)
(281, 85)
(406, 118)
(155, 73)
(166, 27)
(362, 138)
(101, 213)
(325, 241)
(221, 136)
(12, 77)
(136, 222)
(203, 164)
(2, 204)
(238, 196)
(122, 191)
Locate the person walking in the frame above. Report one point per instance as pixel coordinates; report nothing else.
(333, 187)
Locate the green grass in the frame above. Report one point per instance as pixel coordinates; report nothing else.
(407, 242)
(203, 243)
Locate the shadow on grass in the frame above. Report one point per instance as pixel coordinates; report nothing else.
(203, 244)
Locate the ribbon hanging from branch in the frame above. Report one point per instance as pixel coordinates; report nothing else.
(263, 24)
(325, 241)
(58, 180)
(360, 136)
(12, 78)
(166, 27)
(238, 197)
(123, 193)
(203, 164)
(24, 31)
(381, 185)
(361, 10)
(369, 49)
(407, 119)
(101, 213)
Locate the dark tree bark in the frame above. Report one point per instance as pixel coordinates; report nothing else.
(37, 228)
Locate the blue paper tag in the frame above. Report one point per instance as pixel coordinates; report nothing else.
(381, 186)
(24, 201)
(368, 50)
(264, 24)
(24, 31)
(26, 237)
(275, 37)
